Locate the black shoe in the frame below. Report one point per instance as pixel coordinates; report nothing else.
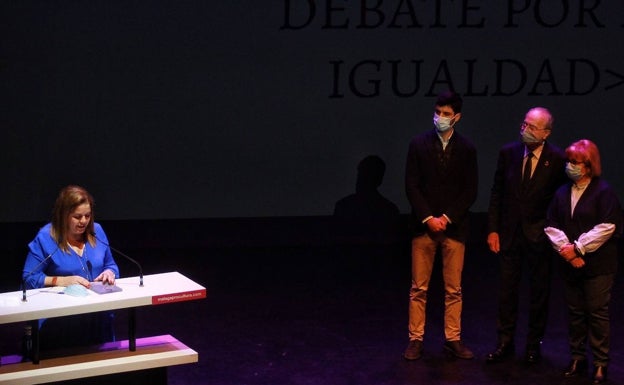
(576, 368)
(533, 354)
(600, 374)
(414, 350)
(457, 349)
(502, 352)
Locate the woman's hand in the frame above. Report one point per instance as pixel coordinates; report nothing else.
(577, 262)
(567, 252)
(107, 277)
(72, 280)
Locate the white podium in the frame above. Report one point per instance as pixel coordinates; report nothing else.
(158, 289)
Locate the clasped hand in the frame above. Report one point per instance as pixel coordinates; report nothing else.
(437, 224)
(568, 253)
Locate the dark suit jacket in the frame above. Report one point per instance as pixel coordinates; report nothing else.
(598, 204)
(440, 182)
(510, 206)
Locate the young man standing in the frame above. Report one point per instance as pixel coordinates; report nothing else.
(441, 183)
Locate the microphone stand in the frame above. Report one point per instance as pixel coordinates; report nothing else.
(125, 256)
(33, 271)
(131, 260)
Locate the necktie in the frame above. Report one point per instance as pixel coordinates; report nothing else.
(526, 175)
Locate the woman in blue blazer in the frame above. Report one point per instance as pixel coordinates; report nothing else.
(584, 224)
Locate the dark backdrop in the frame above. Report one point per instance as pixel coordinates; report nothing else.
(195, 109)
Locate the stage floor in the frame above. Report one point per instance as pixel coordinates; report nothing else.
(337, 315)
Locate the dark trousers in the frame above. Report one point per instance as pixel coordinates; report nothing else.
(588, 309)
(538, 260)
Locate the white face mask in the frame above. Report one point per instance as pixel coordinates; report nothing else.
(442, 123)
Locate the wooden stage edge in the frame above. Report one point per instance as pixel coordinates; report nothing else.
(114, 357)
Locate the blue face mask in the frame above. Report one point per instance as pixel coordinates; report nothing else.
(573, 171)
(442, 123)
(528, 137)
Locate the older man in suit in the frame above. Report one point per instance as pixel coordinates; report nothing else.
(527, 175)
(441, 183)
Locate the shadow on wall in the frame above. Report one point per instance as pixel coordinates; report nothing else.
(366, 215)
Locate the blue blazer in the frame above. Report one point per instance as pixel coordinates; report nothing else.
(94, 261)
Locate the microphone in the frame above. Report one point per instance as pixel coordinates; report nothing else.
(33, 271)
(125, 256)
(90, 269)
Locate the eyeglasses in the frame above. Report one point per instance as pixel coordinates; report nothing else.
(525, 125)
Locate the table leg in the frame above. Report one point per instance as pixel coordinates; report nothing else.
(132, 329)
(35, 341)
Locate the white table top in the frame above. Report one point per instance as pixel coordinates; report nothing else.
(43, 303)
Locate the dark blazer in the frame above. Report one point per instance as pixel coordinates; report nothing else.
(598, 204)
(511, 207)
(440, 182)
